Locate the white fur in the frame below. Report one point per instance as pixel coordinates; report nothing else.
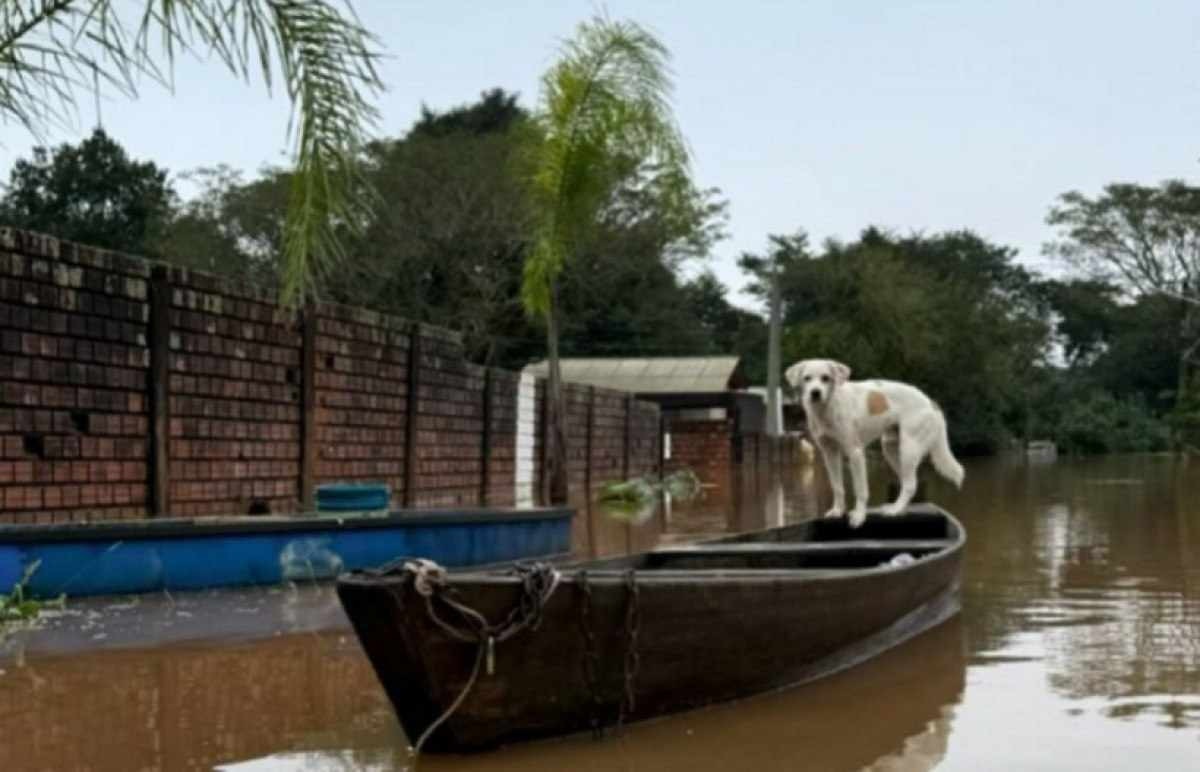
(911, 428)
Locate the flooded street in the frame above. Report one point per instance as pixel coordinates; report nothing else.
(1078, 649)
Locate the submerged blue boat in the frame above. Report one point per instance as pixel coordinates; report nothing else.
(194, 554)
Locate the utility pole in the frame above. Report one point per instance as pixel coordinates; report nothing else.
(774, 410)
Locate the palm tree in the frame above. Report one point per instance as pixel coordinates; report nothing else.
(52, 50)
(605, 118)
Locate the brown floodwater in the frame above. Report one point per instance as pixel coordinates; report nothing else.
(1078, 649)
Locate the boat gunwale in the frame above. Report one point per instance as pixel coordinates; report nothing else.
(497, 576)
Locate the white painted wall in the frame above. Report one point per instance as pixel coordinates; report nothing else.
(526, 427)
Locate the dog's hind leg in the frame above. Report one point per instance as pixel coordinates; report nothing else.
(890, 442)
(914, 440)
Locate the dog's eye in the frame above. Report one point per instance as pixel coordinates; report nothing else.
(807, 378)
(824, 379)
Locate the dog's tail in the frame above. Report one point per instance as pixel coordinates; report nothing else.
(943, 460)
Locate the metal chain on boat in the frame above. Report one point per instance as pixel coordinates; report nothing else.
(632, 656)
(591, 657)
(538, 583)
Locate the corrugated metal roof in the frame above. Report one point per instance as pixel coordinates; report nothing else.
(649, 375)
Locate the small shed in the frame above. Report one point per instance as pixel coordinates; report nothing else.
(710, 421)
(791, 411)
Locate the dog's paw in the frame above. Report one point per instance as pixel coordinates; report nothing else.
(891, 510)
(835, 512)
(857, 517)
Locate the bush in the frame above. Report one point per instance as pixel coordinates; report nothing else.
(1101, 423)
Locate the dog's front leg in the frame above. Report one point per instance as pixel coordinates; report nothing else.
(858, 474)
(832, 454)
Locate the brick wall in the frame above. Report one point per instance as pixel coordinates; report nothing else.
(361, 397)
(129, 389)
(73, 361)
(234, 386)
(704, 446)
(502, 422)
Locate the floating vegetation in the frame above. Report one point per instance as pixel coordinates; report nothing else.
(638, 499)
(17, 609)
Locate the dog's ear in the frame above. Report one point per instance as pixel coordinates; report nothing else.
(793, 373)
(841, 372)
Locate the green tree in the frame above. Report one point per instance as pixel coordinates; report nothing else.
(951, 313)
(768, 279)
(726, 328)
(496, 112)
(1147, 241)
(447, 240)
(449, 235)
(231, 227)
(1086, 314)
(93, 193)
(322, 56)
(605, 116)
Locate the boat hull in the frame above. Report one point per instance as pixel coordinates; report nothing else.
(185, 554)
(702, 636)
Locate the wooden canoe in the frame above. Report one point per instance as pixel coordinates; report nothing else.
(688, 626)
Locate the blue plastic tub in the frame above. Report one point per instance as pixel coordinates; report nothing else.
(353, 497)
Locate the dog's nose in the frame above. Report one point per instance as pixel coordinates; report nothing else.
(815, 395)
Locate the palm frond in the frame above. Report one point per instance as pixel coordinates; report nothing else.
(53, 50)
(605, 112)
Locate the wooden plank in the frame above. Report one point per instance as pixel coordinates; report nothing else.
(158, 392)
(485, 440)
(805, 624)
(410, 424)
(308, 409)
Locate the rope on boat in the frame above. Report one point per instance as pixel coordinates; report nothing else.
(538, 583)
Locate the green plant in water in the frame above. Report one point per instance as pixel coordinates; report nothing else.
(16, 607)
(638, 498)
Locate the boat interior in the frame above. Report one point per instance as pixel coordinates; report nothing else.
(822, 544)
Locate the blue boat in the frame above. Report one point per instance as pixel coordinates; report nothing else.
(194, 554)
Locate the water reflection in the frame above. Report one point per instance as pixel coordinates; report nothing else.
(1078, 648)
(181, 708)
(885, 713)
(1099, 558)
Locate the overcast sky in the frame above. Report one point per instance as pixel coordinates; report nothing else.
(827, 116)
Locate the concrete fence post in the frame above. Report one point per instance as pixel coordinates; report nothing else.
(411, 413)
(159, 394)
(308, 408)
(485, 440)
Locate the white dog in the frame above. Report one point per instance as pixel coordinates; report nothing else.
(845, 416)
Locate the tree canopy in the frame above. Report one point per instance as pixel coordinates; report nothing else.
(93, 192)
(951, 313)
(1101, 358)
(1146, 241)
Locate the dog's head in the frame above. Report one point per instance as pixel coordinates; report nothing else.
(816, 380)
